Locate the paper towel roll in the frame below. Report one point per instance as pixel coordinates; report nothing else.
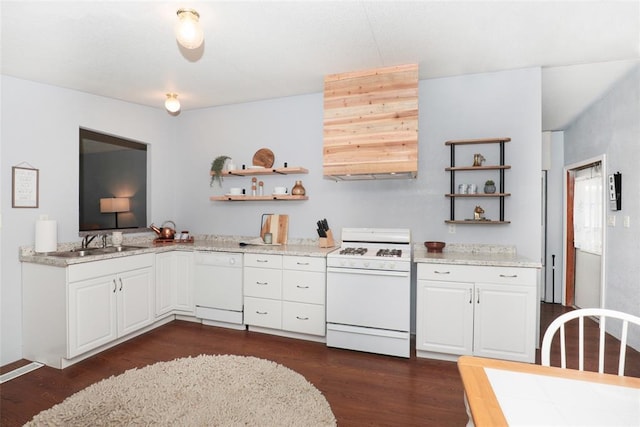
(46, 235)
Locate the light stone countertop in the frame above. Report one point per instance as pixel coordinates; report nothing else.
(295, 247)
(474, 254)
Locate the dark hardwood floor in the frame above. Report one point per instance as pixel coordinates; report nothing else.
(362, 389)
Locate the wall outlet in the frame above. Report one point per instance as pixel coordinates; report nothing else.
(452, 229)
(627, 221)
(611, 220)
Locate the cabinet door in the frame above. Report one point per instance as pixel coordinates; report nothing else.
(505, 321)
(165, 283)
(184, 281)
(92, 314)
(444, 317)
(135, 300)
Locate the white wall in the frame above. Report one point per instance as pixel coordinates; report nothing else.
(40, 126)
(611, 126)
(476, 106)
(555, 219)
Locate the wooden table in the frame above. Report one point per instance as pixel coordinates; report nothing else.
(501, 393)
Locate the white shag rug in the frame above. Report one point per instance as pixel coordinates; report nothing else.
(201, 391)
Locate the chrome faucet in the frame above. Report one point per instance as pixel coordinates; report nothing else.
(86, 240)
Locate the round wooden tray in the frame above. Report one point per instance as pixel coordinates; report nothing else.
(263, 157)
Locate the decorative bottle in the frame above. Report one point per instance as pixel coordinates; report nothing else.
(298, 189)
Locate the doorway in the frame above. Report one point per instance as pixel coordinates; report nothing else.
(585, 230)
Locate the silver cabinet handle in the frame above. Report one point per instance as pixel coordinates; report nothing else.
(509, 276)
(262, 312)
(115, 286)
(478, 295)
(470, 295)
(120, 278)
(262, 260)
(262, 283)
(442, 272)
(302, 286)
(302, 318)
(302, 263)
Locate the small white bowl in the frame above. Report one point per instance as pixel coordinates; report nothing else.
(280, 190)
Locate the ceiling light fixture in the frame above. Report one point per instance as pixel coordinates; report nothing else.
(172, 104)
(188, 30)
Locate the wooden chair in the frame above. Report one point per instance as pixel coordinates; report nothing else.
(602, 314)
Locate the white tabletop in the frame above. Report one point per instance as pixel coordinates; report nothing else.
(539, 400)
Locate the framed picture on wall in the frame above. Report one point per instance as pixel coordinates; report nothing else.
(24, 187)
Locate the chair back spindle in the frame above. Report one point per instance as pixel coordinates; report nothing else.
(602, 314)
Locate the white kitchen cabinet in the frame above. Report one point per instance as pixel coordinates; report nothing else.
(285, 294)
(70, 311)
(262, 282)
(174, 283)
(92, 314)
(304, 295)
(481, 310)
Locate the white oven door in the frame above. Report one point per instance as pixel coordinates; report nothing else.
(373, 299)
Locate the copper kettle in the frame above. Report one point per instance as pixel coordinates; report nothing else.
(165, 232)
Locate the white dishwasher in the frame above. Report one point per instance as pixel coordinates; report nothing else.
(218, 289)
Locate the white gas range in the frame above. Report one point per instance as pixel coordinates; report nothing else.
(368, 291)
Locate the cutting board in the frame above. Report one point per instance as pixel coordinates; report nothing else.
(278, 226)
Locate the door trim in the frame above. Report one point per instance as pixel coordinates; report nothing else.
(568, 253)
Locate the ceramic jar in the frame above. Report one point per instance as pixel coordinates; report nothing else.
(298, 189)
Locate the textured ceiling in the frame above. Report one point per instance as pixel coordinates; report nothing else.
(267, 49)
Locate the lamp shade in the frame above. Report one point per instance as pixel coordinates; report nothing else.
(188, 30)
(171, 103)
(114, 204)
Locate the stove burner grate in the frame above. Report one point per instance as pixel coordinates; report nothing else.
(353, 251)
(389, 252)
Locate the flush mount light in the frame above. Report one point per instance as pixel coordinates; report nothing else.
(171, 103)
(188, 30)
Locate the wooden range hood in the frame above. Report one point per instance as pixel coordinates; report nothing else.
(371, 124)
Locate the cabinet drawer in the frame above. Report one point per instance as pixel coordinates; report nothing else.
(304, 263)
(263, 283)
(477, 274)
(303, 286)
(89, 270)
(263, 312)
(303, 318)
(263, 260)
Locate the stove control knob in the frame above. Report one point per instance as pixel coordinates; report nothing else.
(381, 265)
(392, 266)
(366, 264)
(343, 263)
(352, 263)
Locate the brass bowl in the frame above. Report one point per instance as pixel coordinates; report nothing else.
(434, 247)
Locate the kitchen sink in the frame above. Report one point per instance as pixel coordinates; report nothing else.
(114, 249)
(77, 252)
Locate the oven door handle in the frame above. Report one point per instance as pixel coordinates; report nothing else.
(368, 272)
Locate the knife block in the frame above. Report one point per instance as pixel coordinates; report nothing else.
(327, 242)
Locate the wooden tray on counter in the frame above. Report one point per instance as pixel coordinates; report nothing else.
(160, 241)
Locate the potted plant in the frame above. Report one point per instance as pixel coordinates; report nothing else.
(216, 168)
(489, 186)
